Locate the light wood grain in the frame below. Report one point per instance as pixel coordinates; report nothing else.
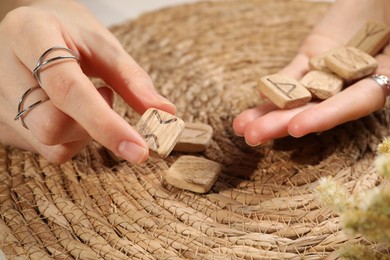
(318, 63)
(371, 38)
(284, 91)
(193, 173)
(321, 84)
(160, 130)
(350, 63)
(195, 137)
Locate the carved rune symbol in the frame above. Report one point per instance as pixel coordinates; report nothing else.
(285, 88)
(155, 139)
(350, 58)
(193, 132)
(370, 31)
(162, 122)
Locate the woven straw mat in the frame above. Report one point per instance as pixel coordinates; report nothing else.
(206, 57)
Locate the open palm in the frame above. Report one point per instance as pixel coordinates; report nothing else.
(267, 122)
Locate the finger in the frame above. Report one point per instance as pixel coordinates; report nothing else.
(271, 125)
(51, 126)
(109, 61)
(25, 140)
(356, 101)
(61, 153)
(107, 94)
(297, 67)
(72, 92)
(10, 137)
(243, 119)
(313, 45)
(15, 134)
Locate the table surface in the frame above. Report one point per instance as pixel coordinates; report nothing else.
(118, 11)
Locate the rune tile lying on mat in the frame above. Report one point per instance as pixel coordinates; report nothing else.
(195, 137)
(193, 173)
(284, 91)
(371, 38)
(160, 130)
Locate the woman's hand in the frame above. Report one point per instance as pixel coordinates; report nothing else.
(266, 122)
(76, 111)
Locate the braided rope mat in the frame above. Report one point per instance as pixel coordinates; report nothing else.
(205, 57)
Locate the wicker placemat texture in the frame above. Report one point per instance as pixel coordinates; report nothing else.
(206, 57)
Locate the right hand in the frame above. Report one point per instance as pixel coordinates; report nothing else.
(77, 112)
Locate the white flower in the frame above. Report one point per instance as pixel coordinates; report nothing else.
(382, 164)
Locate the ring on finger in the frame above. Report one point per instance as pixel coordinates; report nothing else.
(23, 111)
(383, 81)
(42, 62)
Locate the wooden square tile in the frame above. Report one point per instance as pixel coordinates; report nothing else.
(160, 130)
(193, 173)
(195, 137)
(284, 91)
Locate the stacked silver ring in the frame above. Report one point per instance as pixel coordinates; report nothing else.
(41, 62)
(36, 73)
(24, 111)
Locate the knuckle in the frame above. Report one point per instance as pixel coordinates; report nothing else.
(23, 19)
(58, 155)
(50, 130)
(61, 87)
(17, 16)
(11, 25)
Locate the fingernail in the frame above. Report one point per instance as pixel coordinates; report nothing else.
(239, 135)
(295, 135)
(253, 145)
(132, 152)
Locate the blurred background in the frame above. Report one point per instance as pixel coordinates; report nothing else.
(117, 11)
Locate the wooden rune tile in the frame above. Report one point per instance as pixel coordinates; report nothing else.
(193, 173)
(283, 91)
(195, 137)
(318, 63)
(160, 130)
(321, 84)
(350, 63)
(371, 38)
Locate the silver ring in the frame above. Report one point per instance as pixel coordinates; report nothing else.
(41, 62)
(383, 81)
(22, 112)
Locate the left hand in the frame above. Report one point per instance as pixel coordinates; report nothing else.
(267, 122)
